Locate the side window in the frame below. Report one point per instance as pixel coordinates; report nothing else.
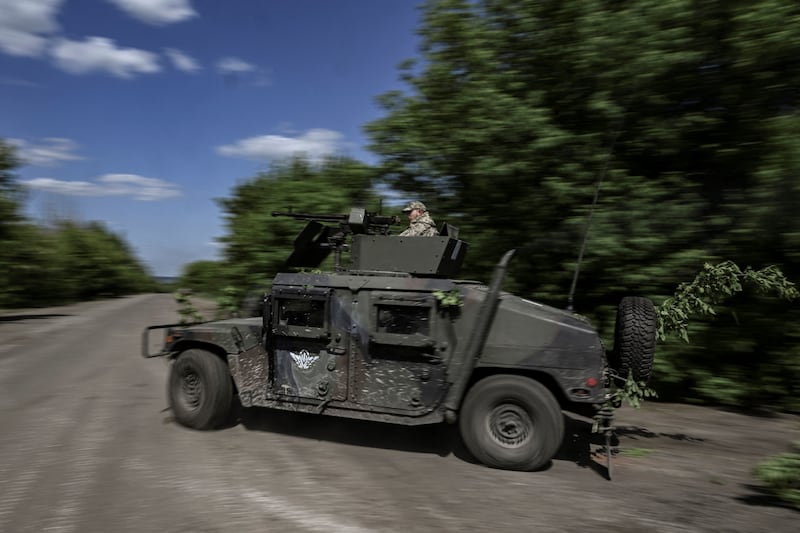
(403, 319)
(304, 313)
(300, 312)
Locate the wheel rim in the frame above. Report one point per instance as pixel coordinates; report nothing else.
(191, 389)
(510, 425)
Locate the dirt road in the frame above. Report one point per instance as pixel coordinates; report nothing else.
(87, 445)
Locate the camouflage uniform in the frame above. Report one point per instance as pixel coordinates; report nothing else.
(423, 225)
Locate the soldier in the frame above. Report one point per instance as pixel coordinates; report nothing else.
(420, 223)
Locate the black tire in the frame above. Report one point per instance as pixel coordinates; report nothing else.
(634, 339)
(200, 390)
(511, 422)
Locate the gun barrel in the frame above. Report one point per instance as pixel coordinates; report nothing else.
(310, 216)
(383, 220)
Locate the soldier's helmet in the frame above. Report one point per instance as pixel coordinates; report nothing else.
(414, 205)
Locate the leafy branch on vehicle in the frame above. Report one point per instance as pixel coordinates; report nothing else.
(451, 298)
(631, 392)
(228, 303)
(713, 285)
(186, 308)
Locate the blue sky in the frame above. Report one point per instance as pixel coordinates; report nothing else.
(139, 113)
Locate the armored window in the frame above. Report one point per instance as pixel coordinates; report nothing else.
(403, 319)
(300, 312)
(304, 313)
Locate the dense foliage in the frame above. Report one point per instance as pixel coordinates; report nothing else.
(681, 115)
(62, 262)
(204, 277)
(713, 285)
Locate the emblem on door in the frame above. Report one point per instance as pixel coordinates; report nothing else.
(303, 359)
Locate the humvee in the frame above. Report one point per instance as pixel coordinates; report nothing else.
(392, 336)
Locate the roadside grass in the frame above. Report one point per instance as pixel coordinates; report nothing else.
(636, 452)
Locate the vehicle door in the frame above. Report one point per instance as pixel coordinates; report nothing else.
(403, 361)
(309, 362)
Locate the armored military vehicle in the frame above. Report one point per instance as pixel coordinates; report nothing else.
(392, 336)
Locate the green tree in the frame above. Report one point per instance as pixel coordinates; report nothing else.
(518, 110)
(11, 230)
(257, 244)
(32, 273)
(9, 191)
(98, 263)
(204, 277)
(30, 267)
(43, 265)
(682, 115)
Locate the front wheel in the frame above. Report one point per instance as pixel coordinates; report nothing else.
(200, 390)
(511, 422)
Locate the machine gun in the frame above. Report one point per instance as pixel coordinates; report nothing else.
(358, 221)
(315, 242)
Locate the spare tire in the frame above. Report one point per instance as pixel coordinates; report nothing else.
(634, 339)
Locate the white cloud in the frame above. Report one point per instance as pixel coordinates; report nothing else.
(157, 12)
(314, 144)
(49, 152)
(182, 61)
(235, 70)
(25, 25)
(234, 65)
(101, 54)
(137, 187)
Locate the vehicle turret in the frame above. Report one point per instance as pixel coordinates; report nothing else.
(372, 247)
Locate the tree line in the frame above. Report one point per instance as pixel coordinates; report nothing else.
(64, 261)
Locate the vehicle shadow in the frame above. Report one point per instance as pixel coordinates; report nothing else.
(587, 449)
(439, 439)
(17, 318)
(636, 432)
(583, 447)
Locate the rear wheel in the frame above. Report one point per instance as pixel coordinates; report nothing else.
(200, 390)
(634, 339)
(511, 422)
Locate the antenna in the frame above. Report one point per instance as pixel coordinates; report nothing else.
(589, 222)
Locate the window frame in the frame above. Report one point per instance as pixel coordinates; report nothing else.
(301, 294)
(410, 299)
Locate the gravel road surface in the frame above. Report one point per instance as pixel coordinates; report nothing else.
(87, 444)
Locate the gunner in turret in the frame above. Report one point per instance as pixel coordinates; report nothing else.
(420, 223)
